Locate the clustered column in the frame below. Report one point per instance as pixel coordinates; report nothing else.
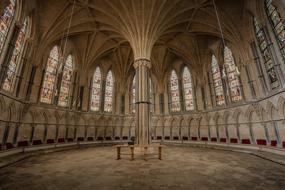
(142, 67)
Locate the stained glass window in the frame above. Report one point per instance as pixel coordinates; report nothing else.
(174, 91)
(5, 23)
(109, 93)
(96, 90)
(217, 81)
(277, 23)
(16, 58)
(264, 48)
(188, 91)
(133, 105)
(232, 76)
(50, 76)
(65, 86)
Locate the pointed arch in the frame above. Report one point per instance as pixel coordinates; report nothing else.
(109, 87)
(50, 76)
(17, 57)
(277, 24)
(187, 89)
(232, 76)
(264, 48)
(217, 81)
(64, 93)
(96, 90)
(174, 92)
(6, 23)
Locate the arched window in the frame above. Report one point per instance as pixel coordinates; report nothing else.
(277, 24)
(264, 48)
(188, 90)
(133, 105)
(96, 90)
(232, 76)
(6, 22)
(50, 76)
(174, 91)
(16, 58)
(65, 86)
(108, 104)
(217, 80)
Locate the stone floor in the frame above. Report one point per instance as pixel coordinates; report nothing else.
(182, 168)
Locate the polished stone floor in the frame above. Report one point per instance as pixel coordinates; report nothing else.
(182, 168)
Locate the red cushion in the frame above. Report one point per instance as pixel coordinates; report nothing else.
(60, 140)
(234, 140)
(245, 141)
(23, 143)
(204, 138)
(175, 138)
(214, 139)
(9, 145)
(185, 138)
(70, 139)
(283, 144)
(194, 138)
(80, 138)
(261, 142)
(50, 141)
(273, 143)
(37, 142)
(223, 140)
(167, 138)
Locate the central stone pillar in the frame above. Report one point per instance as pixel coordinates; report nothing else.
(142, 67)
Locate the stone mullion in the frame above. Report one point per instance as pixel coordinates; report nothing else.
(275, 60)
(226, 88)
(250, 82)
(181, 95)
(73, 86)
(259, 67)
(9, 54)
(212, 89)
(102, 99)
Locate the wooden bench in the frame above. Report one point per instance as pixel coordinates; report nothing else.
(144, 147)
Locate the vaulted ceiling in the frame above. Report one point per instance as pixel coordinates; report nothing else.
(162, 30)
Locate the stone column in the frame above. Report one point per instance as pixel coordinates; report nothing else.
(142, 67)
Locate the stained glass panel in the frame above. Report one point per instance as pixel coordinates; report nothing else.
(174, 91)
(277, 23)
(217, 81)
(16, 58)
(96, 90)
(233, 80)
(50, 76)
(264, 48)
(133, 105)
(108, 104)
(63, 99)
(188, 91)
(5, 23)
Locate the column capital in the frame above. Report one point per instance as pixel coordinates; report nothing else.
(142, 62)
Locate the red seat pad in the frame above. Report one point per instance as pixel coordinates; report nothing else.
(61, 140)
(261, 142)
(50, 141)
(245, 141)
(283, 144)
(214, 139)
(194, 138)
(204, 138)
(273, 143)
(234, 140)
(23, 143)
(90, 138)
(223, 140)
